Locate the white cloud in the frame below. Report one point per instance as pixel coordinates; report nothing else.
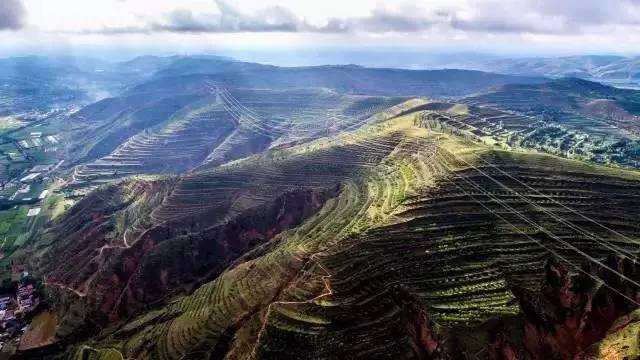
(583, 25)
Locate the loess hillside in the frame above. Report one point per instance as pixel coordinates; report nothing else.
(395, 240)
(213, 126)
(120, 235)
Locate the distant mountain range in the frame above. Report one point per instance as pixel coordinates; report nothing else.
(454, 75)
(36, 83)
(618, 70)
(612, 69)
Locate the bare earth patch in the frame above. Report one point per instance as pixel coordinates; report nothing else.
(41, 331)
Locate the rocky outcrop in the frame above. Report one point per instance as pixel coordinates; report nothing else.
(570, 313)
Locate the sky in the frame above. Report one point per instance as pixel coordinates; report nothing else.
(136, 27)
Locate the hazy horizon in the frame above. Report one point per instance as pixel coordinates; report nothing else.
(374, 57)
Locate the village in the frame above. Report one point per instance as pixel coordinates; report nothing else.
(19, 302)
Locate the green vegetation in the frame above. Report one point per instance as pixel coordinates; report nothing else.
(12, 225)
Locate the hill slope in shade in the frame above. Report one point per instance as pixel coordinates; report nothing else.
(351, 80)
(227, 125)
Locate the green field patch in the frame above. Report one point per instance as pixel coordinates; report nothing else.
(12, 227)
(10, 122)
(4, 228)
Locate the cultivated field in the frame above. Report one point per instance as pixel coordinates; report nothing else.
(231, 124)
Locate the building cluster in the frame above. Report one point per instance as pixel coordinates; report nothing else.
(15, 306)
(26, 297)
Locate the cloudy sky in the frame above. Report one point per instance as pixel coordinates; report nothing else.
(176, 26)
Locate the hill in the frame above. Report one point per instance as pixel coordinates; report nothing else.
(615, 70)
(348, 79)
(222, 209)
(179, 85)
(575, 117)
(392, 240)
(207, 127)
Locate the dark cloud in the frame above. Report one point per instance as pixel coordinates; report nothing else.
(279, 19)
(383, 20)
(492, 24)
(12, 14)
(580, 13)
(230, 20)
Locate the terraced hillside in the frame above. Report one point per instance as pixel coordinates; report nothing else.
(117, 257)
(415, 244)
(571, 117)
(176, 147)
(512, 130)
(231, 124)
(480, 124)
(98, 129)
(173, 84)
(561, 98)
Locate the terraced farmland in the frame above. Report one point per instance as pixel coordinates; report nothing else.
(231, 124)
(205, 220)
(433, 247)
(477, 123)
(569, 117)
(462, 258)
(179, 146)
(219, 209)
